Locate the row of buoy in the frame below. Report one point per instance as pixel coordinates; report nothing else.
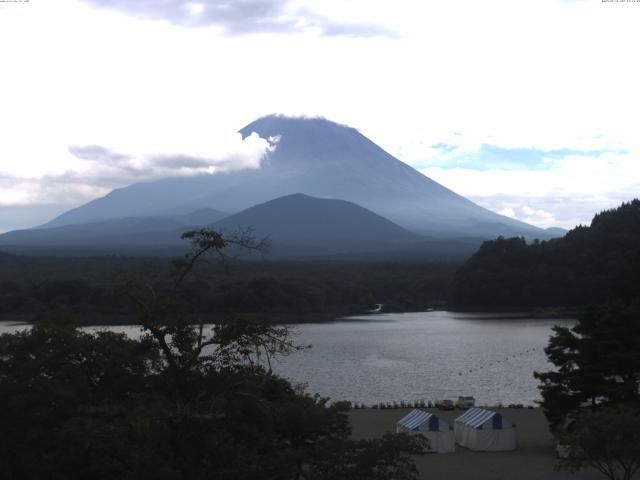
(515, 355)
(419, 404)
(391, 405)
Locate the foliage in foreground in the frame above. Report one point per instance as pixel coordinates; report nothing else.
(597, 362)
(592, 398)
(607, 439)
(178, 403)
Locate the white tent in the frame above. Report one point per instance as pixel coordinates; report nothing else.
(484, 430)
(439, 433)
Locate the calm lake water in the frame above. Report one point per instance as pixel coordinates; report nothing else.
(429, 355)
(411, 356)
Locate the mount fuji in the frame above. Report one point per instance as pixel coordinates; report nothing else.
(314, 157)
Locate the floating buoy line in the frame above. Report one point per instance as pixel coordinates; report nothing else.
(497, 362)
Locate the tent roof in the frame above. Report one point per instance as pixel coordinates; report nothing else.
(415, 419)
(476, 417)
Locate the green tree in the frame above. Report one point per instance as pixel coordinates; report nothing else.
(378, 459)
(597, 362)
(67, 398)
(572, 271)
(607, 439)
(180, 402)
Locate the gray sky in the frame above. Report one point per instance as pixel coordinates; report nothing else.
(526, 107)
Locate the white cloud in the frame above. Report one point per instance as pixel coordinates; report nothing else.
(541, 218)
(98, 169)
(575, 175)
(567, 193)
(527, 214)
(511, 74)
(508, 212)
(202, 153)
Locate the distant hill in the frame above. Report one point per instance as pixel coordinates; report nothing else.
(113, 234)
(202, 216)
(580, 268)
(556, 231)
(298, 227)
(299, 220)
(319, 158)
(305, 227)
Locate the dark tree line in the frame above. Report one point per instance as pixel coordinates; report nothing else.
(579, 269)
(592, 397)
(597, 360)
(178, 403)
(282, 291)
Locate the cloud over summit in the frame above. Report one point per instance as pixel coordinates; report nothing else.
(100, 169)
(169, 158)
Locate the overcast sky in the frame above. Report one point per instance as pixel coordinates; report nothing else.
(528, 108)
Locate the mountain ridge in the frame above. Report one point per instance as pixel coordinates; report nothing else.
(322, 159)
(298, 226)
(299, 217)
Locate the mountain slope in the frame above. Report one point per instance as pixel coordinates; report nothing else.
(318, 158)
(304, 227)
(319, 225)
(298, 227)
(128, 231)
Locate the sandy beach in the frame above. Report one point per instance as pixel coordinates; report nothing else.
(534, 459)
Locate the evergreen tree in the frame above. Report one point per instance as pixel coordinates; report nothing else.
(597, 362)
(573, 271)
(607, 439)
(179, 403)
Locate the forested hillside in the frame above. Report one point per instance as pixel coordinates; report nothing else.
(581, 268)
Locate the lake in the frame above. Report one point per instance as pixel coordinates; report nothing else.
(428, 355)
(412, 356)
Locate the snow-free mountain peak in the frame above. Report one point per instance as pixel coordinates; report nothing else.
(323, 159)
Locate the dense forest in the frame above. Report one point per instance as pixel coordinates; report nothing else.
(182, 402)
(591, 396)
(581, 268)
(92, 288)
(507, 273)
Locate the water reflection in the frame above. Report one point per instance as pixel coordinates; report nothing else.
(411, 356)
(429, 355)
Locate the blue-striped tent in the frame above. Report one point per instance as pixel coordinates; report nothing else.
(485, 430)
(439, 433)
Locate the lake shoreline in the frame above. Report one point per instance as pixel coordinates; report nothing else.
(412, 357)
(104, 320)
